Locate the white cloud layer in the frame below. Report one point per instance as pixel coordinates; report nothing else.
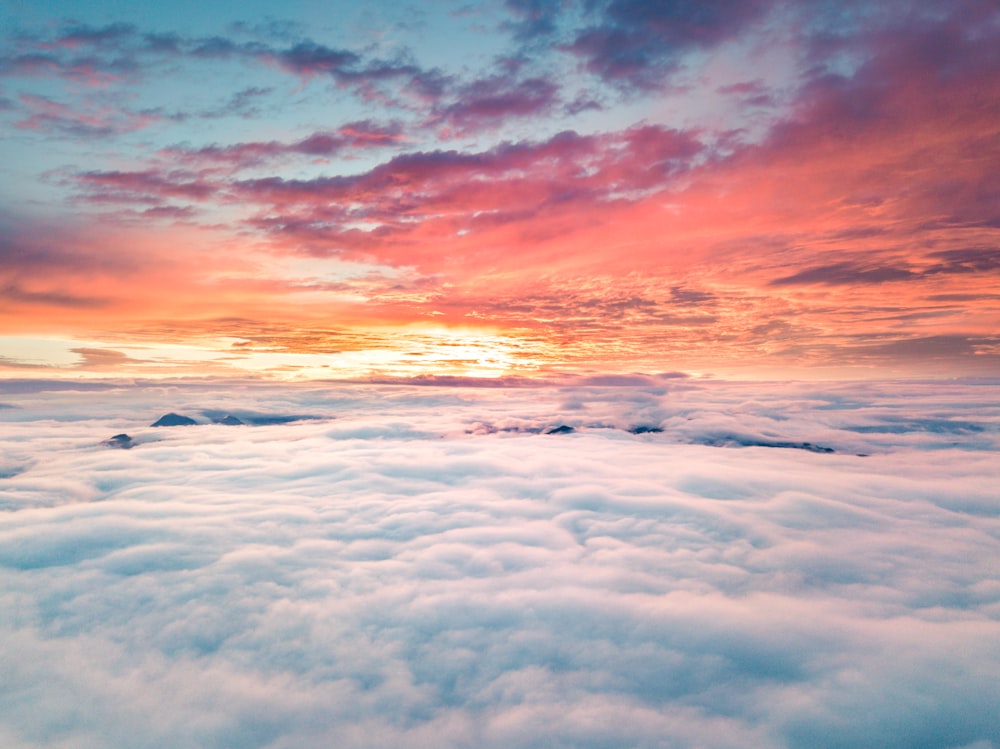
(419, 568)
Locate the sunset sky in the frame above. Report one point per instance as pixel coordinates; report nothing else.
(522, 374)
(506, 189)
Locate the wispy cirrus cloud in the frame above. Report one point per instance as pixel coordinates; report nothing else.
(844, 274)
(42, 114)
(638, 45)
(354, 136)
(148, 186)
(533, 19)
(101, 56)
(18, 295)
(457, 191)
(523, 186)
(486, 103)
(123, 53)
(979, 261)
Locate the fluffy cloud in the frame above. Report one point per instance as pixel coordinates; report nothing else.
(388, 576)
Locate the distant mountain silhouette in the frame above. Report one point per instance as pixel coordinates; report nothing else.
(121, 441)
(173, 420)
(250, 418)
(561, 429)
(730, 441)
(276, 419)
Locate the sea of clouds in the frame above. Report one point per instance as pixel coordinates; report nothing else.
(407, 566)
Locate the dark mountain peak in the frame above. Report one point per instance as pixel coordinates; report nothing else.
(121, 441)
(645, 429)
(561, 429)
(742, 441)
(229, 420)
(173, 420)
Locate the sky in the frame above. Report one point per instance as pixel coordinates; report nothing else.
(594, 375)
(413, 567)
(504, 189)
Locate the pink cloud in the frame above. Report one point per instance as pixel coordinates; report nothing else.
(354, 136)
(45, 115)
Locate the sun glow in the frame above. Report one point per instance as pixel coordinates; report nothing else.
(295, 354)
(412, 352)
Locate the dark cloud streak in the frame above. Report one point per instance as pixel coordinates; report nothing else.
(637, 44)
(844, 274)
(350, 137)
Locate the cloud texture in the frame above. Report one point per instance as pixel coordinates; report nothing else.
(819, 180)
(417, 568)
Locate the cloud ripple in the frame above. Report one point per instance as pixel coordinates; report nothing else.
(382, 578)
